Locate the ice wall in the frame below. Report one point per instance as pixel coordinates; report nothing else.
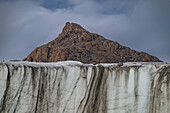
(73, 87)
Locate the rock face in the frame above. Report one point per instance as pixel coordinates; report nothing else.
(76, 43)
(73, 87)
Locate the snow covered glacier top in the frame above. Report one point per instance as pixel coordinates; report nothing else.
(74, 87)
(64, 63)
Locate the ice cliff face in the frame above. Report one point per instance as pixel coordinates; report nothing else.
(73, 87)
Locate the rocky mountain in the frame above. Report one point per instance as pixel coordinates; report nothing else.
(76, 43)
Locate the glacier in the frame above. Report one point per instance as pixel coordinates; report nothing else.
(74, 87)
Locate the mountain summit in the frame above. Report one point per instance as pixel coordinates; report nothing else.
(76, 43)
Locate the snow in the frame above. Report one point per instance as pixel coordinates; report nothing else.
(72, 63)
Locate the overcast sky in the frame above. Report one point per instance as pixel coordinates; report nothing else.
(143, 25)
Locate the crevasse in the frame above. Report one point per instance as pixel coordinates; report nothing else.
(73, 87)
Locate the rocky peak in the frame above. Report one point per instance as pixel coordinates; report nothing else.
(72, 27)
(76, 43)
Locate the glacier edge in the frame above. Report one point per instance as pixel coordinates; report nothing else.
(73, 87)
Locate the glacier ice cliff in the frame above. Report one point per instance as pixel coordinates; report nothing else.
(73, 87)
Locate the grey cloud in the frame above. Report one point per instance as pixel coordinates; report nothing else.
(142, 25)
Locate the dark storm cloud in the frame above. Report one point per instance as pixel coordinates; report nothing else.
(140, 24)
(55, 4)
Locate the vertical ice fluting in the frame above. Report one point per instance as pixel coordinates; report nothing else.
(71, 87)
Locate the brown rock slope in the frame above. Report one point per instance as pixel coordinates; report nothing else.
(76, 43)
